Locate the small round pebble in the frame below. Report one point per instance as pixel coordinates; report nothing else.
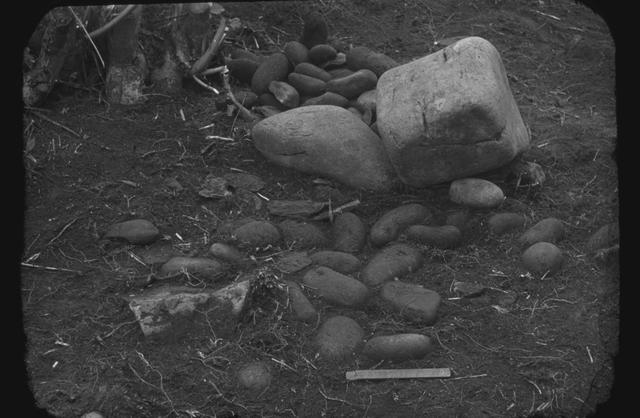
(226, 252)
(542, 258)
(255, 376)
(338, 338)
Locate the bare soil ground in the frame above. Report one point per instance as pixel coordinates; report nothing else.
(549, 354)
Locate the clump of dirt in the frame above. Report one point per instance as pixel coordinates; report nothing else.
(547, 348)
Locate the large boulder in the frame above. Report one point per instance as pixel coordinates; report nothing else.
(449, 115)
(328, 141)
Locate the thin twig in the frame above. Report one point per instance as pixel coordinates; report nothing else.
(331, 212)
(57, 124)
(88, 35)
(246, 113)
(330, 398)
(205, 85)
(112, 23)
(62, 231)
(47, 268)
(208, 55)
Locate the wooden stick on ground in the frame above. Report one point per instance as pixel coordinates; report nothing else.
(202, 62)
(399, 374)
(244, 112)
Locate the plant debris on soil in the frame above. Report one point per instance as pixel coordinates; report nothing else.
(516, 344)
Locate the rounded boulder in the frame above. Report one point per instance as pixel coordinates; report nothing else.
(328, 141)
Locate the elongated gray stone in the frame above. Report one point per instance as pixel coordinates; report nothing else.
(414, 302)
(336, 288)
(135, 231)
(398, 347)
(336, 260)
(395, 260)
(338, 339)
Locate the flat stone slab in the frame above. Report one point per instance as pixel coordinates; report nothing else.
(338, 339)
(336, 288)
(171, 307)
(414, 302)
(394, 260)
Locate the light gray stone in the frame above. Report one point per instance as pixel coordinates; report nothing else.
(450, 114)
(476, 193)
(328, 141)
(158, 309)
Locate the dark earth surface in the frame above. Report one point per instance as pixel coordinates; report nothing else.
(550, 352)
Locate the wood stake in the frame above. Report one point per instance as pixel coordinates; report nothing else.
(399, 374)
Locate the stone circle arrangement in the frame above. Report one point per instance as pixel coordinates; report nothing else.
(359, 118)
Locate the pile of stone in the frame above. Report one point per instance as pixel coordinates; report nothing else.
(359, 117)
